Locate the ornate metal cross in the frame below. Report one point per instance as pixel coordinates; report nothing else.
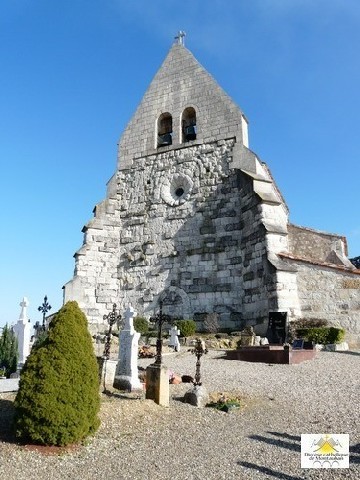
(44, 308)
(160, 318)
(199, 350)
(112, 318)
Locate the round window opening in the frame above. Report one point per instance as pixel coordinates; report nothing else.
(176, 189)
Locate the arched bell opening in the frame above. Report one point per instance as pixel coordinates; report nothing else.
(188, 125)
(164, 130)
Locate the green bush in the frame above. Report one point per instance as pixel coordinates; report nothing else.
(8, 351)
(336, 335)
(58, 398)
(141, 325)
(323, 335)
(304, 323)
(187, 327)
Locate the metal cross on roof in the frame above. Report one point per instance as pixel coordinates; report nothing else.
(180, 38)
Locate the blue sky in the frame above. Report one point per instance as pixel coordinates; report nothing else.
(73, 72)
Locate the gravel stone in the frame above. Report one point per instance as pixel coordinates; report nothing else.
(140, 440)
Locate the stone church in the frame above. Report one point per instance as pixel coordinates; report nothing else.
(194, 219)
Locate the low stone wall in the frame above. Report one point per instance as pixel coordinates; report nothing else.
(9, 385)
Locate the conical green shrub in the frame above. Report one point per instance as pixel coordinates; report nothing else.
(58, 399)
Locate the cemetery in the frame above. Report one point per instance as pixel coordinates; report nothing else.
(147, 417)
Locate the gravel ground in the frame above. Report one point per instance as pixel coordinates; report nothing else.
(139, 440)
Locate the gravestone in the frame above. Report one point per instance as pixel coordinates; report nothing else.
(157, 384)
(197, 396)
(22, 330)
(277, 329)
(126, 375)
(247, 337)
(174, 340)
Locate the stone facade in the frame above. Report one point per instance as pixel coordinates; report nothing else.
(197, 221)
(331, 293)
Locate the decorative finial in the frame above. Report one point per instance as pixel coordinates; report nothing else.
(180, 38)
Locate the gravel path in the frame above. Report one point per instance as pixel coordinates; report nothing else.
(139, 440)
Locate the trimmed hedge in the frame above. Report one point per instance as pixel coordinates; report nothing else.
(187, 327)
(304, 323)
(58, 399)
(323, 335)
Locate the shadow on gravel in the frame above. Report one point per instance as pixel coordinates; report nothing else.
(7, 411)
(123, 395)
(354, 450)
(348, 352)
(355, 453)
(178, 398)
(278, 442)
(268, 471)
(295, 438)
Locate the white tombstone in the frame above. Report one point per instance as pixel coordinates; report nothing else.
(126, 375)
(174, 340)
(22, 330)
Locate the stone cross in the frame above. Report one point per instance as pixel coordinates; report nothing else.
(22, 330)
(174, 341)
(126, 375)
(23, 314)
(129, 319)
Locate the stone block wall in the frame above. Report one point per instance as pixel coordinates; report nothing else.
(205, 254)
(315, 245)
(330, 294)
(203, 251)
(181, 82)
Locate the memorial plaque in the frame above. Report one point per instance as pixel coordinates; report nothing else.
(308, 345)
(298, 344)
(277, 329)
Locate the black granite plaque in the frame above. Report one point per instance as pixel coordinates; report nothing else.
(277, 328)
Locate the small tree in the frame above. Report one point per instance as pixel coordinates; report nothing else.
(211, 323)
(141, 325)
(8, 351)
(58, 398)
(187, 327)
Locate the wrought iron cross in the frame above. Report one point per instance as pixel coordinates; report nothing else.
(44, 308)
(160, 318)
(199, 350)
(112, 318)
